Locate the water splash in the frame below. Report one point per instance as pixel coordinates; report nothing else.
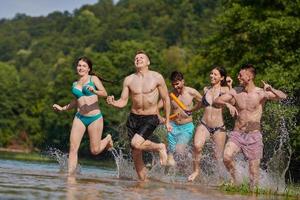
(177, 173)
(61, 158)
(274, 165)
(125, 166)
(278, 164)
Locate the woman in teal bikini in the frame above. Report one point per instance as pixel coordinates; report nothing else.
(211, 124)
(88, 117)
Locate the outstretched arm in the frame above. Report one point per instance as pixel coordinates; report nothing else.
(69, 106)
(122, 102)
(272, 93)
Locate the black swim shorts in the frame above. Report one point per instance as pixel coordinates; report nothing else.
(144, 125)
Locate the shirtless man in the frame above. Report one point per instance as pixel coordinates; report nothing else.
(246, 103)
(182, 120)
(144, 87)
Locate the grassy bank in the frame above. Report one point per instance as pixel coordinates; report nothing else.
(25, 156)
(291, 192)
(39, 157)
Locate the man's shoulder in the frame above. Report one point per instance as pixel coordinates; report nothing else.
(261, 92)
(190, 89)
(129, 78)
(155, 74)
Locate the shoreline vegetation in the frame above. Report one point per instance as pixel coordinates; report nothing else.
(292, 191)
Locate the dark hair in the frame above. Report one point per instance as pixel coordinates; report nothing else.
(90, 64)
(87, 61)
(176, 76)
(249, 67)
(223, 73)
(142, 52)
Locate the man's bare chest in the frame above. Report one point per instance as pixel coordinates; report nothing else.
(245, 101)
(143, 86)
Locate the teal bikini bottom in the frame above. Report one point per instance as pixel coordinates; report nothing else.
(87, 120)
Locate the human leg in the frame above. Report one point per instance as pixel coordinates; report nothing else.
(76, 135)
(254, 172)
(219, 138)
(139, 143)
(95, 130)
(184, 137)
(201, 135)
(140, 168)
(253, 151)
(231, 149)
(171, 147)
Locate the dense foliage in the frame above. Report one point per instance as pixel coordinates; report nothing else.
(37, 55)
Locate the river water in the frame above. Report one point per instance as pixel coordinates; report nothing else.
(36, 180)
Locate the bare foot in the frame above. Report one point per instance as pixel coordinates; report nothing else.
(163, 155)
(110, 144)
(193, 176)
(143, 175)
(171, 162)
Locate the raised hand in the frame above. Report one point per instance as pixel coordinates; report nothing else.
(91, 89)
(266, 86)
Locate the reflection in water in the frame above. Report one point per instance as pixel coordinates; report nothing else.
(84, 190)
(72, 188)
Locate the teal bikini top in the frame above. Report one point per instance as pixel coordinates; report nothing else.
(84, 92)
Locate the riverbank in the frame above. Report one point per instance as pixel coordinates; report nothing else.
(44, 157)
(291, 192)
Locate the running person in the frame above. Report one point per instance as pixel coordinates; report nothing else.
(88, 117)
(144, 87)
(182, 120)
(212, 123)
(246, 103)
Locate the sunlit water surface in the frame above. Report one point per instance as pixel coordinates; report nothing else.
(31, 180)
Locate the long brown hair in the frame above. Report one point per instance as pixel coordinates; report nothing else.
(91, 72)
(223, 73)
